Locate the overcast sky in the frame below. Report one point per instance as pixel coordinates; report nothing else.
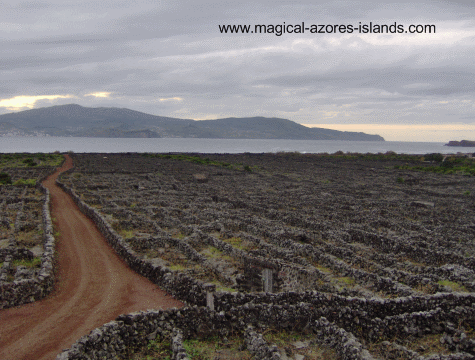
(169, 58)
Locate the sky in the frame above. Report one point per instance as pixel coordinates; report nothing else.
(169, 58)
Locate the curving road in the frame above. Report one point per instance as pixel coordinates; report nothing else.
(93, 287)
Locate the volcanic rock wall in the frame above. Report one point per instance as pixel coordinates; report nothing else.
(28, 290)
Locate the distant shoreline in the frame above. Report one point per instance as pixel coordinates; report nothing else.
(187, 145)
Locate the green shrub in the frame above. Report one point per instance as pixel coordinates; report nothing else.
(5, 179)
(27, 182)
(29, 162)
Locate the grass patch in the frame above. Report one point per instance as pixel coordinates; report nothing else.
(212, 252)
(202, 161)
(451, 165)
(33, 263)
(225, 289)
(282, 338)
(453, 285)
(426, 345)
(23, 160)
(240, 244)
(221, 287)
(214, 347)
(176, 267)
(323, 269)
(155, 349)
(191, 158)
(29, 238)
(346, 280)
(126, 234)
(285, 342)
(178, 235)
(27, 182)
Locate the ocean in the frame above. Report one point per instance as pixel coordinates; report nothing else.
(164, 145)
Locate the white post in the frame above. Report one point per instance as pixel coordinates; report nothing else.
(267, 275)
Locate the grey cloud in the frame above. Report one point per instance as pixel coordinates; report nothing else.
(146, 50)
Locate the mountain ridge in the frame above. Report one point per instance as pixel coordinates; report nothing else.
(79, 121)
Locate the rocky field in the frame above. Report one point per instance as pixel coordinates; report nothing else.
(374, 252)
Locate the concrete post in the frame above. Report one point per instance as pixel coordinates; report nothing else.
(210, 300)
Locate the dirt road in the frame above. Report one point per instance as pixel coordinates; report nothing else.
(93, 287)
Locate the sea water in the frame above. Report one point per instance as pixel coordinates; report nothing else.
(164, 145)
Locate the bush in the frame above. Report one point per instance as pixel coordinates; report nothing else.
(5, 178)
(447, 164)
(29, 162)
(434, 157)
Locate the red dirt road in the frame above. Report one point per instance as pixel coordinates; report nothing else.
(93, 287)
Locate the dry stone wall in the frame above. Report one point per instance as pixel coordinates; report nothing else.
(26, 290)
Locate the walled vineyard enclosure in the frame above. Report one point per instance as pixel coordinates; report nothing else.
(26, 233)
(370, 244)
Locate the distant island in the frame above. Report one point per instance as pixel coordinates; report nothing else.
(463, 143)
(79, 121)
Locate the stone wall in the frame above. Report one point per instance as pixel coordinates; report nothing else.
(28, 290)
(133, 331)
